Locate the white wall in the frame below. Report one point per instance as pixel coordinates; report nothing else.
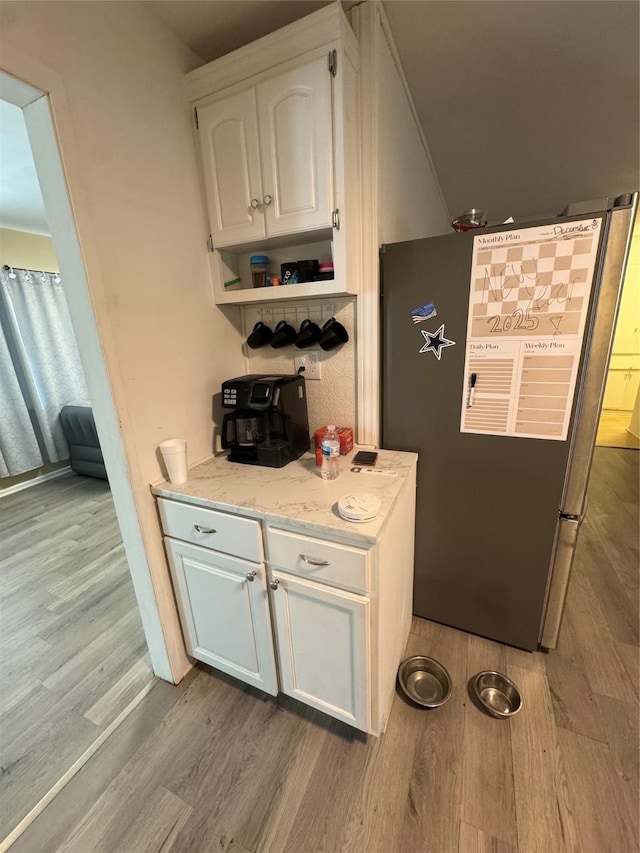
(410, 203)
(331, 399)
(125, 133)
(401, 197)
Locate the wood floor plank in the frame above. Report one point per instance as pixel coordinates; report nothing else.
(611, 565)
(474, 840)
(18, 683)
(23, 655)
(286, 737)
(35, 707)
(82, 665)
(332, 791)
(535, 661)
(630, 657)
(545, 813)
(435, 791)
(488, 798)
(63, 814)
(109, 705)
(606, 673)
(620, 722)
(292, 788)
(601, 823)
(240, 712)
(157, 825)
(31, 763)
(574, 705)
(69, 624)
(379, 810)
(175, 745)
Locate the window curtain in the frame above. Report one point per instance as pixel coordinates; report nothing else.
(40, 357)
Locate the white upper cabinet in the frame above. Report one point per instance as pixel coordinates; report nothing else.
(267, 155)
(278, 132)
(296, 146)
(228, 133)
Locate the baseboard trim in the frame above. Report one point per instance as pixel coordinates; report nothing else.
(40, 806)
(26, 484)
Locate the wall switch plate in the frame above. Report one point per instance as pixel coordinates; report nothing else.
(311, 363)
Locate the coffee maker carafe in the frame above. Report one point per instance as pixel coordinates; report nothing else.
(269, 424)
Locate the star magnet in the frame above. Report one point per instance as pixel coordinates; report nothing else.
(436, 342)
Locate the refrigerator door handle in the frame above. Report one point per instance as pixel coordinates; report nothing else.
(560, 573)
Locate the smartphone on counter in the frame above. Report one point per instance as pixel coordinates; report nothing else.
(365, 457)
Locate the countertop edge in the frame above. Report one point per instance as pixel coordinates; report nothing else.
(353, 536)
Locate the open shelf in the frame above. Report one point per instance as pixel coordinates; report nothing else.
(232, 263)
(306, 290)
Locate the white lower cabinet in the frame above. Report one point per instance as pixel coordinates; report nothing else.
(224, 612)
(332, 611)
(322, 635)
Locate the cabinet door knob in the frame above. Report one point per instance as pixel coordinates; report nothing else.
(201, 529)
(268, 199)
(251, 576)
(313, 562)
(275, 584)
(255, 203)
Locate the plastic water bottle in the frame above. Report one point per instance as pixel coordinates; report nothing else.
(330, 469)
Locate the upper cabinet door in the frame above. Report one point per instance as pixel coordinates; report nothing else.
(228, 132)
(295, 114)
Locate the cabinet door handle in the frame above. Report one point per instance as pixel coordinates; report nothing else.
(268, 199)
(251, 576)
(275, 584)
(201, 529)
(255, 203)
(313, 562)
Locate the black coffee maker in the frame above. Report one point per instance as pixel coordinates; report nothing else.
(269, 425)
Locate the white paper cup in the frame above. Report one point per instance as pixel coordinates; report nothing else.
(174, 456)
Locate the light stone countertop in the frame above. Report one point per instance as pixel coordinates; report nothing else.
(295, 497)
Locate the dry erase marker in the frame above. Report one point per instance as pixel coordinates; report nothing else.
(472, 385)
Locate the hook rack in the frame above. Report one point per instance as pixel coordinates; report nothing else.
(295, 314)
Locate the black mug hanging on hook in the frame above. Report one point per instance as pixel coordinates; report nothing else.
(308, 335)
(283, 335)
(260, 336)
(333, 334)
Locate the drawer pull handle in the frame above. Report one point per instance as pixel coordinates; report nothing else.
(201, 529)
(275, 584)
(313, 562)
(251, 576)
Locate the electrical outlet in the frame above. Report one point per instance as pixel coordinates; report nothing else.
(311, 363)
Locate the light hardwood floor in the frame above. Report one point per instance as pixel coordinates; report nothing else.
(73, 653)
(613, 432)
(212, 765)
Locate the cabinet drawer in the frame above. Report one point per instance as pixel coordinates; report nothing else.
(230, 534)
(319, 560)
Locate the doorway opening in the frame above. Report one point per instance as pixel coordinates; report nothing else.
(74, 508)
(619, 424)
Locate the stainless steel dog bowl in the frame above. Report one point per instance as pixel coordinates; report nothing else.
(497, 694)
(425, 681)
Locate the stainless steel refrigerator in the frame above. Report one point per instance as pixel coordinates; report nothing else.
(495, 351)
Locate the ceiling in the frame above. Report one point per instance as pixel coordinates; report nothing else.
(524, 105)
